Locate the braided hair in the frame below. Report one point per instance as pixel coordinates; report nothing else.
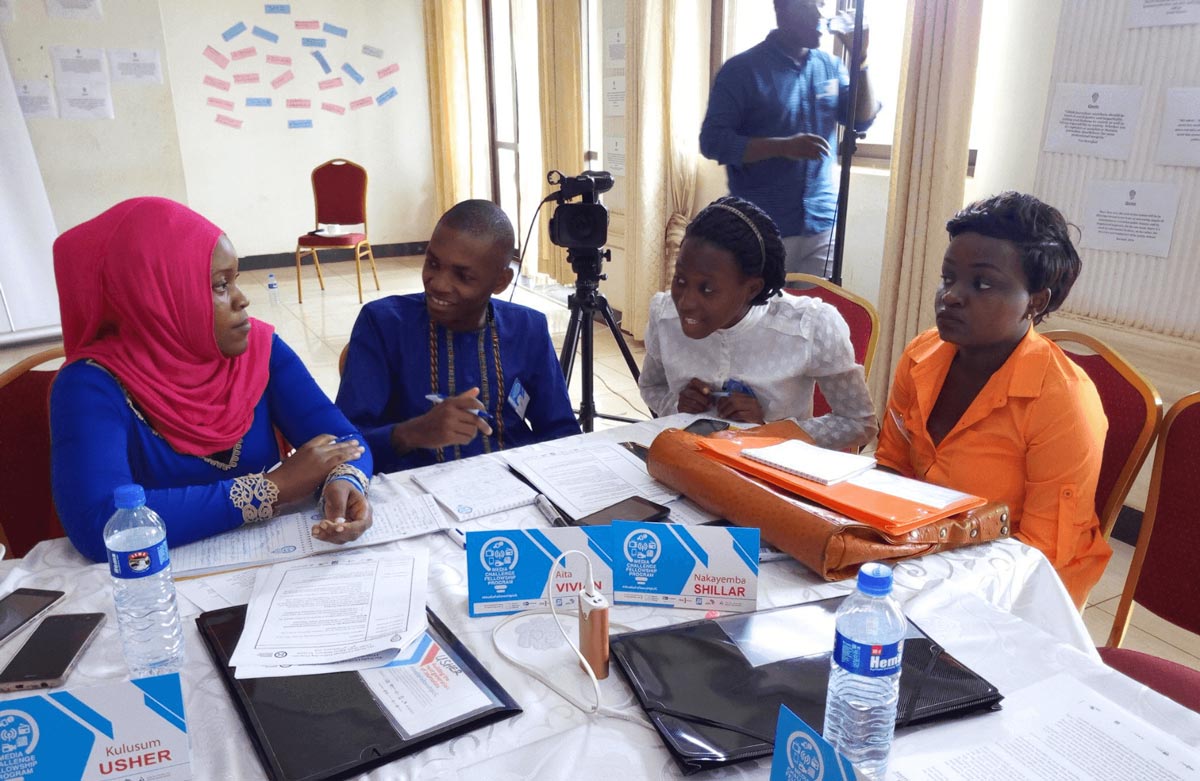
(745, 231)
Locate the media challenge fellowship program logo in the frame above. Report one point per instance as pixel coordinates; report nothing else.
(499, 559)
(804, 759)
(18, 739)
(642, 549)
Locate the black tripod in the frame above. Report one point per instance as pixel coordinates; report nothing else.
(584, 303)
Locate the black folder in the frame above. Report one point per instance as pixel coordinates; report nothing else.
(317, 727)
(713, 687)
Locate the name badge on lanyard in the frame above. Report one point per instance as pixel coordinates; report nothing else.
(518, 398)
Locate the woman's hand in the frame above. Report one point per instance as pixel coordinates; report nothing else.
(347, 513)
(741, 407)
(302, 472)
(694, 397)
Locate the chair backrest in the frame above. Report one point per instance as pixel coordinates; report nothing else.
(858, 313)
(27, 512)
(340, 193)
(1133, 408)
(1162, 576)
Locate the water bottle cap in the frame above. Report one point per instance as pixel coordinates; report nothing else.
(875, 579)
(127, 497)
(270, 276)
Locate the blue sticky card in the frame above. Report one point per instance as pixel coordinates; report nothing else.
(510, 570)
(518, 397)
(333, 29)
(234, 31)
(315, 43)
(266, 35)
(801, 754)
(320, 58)
(733, 385)
(385, 96)
(698, 567)
(296, 124)
(348, 69)
(258, 102)
(277, 8)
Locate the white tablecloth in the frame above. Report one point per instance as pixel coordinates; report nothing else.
(998, 607)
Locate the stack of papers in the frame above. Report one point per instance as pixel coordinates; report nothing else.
(475, 489)
(814, 463)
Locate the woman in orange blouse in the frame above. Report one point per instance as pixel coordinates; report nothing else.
(985, 404)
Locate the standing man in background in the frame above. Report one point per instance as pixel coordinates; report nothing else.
(772, 122)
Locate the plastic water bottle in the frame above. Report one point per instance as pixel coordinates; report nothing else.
(272, 289)
(143, 589)
(864, 676)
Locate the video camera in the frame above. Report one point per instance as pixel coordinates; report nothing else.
(579, 225)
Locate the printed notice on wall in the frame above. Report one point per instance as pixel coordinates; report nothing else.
(1162, 13)
(1179, 138)
(35, 98)
(614, 96)
(614, 47)
(75, 9)
(1136, 217)
(1097, 120)
(614, 155)
(81, 83)
(137, 65)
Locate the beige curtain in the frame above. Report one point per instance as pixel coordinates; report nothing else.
(929, 163)
(561, 69)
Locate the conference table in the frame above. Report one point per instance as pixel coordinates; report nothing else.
(998, 607)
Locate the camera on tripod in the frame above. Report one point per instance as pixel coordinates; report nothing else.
(581, 225)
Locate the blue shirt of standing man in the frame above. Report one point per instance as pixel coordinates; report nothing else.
(772, 121)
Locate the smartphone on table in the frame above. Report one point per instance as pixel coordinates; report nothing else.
(22, 606)
(635, 508)
(50, 653)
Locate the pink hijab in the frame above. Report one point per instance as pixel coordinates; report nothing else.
(135, 291)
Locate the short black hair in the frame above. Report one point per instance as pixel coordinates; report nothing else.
(1039, 232)
(727, 223)
(483, 219)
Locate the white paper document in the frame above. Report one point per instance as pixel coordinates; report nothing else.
(1057, 728)
(85, 100)
(1134, 217)
(136, 65)
(614, 96)
(217, 591)
(1162, 13)
(1179, 137)
(917, 491)
(289, 537)
(587, 478)
(77, 64)
(35, 98)
(426, 694)
(334, 609)
(475, 488)
(614, 155)
(75, 9)
(1097, 120)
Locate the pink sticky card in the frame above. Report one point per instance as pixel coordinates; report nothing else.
(388, 71)
(245, 78)
(282, 79)
(330, 83)
(361, 103)
(299, 103)
(278, 59)
(308, 24)
(221, 103)
(242, 54)
(213, 81)
(220, 60)
(229, 121)
(333, 108)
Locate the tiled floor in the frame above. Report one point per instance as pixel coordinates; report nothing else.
(320, 328)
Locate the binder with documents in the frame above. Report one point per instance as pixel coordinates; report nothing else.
(721, 706)
(331, 726)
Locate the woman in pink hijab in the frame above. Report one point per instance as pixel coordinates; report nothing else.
(169, 383)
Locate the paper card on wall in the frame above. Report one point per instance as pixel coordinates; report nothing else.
(282, 79)
(299, 103)
(35, 98)
(386, 95)
(265, 34)
(245, 78)
(277, 8)
(372, 51)
(349, 70)
(614, 96)
(242, 54)
(383, 73)
(216, 58)
(220, 103)
(333, 83)
(697, 567)
(614, 47)
(232, 122)
(7, 12)
(614, 155)
(278, 59)
(333, 108)
(213, 81)
(308, 24)
(141, 66)
(233, 32)
(313, 43)
(333, 29)
(1137, 217)
(510, 570)
(324, 63)
(1163, 13)
(1097, 120)
(85, 100)
(75, 9)
(258, 102)
(1179, 138)
(295, 124)
(75, 64)
(355, 105)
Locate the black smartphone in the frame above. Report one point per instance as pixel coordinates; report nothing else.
(50, 652)
(705, 426)
(635, 508)
(22, 606)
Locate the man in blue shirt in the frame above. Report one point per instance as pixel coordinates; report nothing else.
(772, 121)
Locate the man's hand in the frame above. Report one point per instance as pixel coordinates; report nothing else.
(805, 146)
(741, 407)
(694, 397)
(452, 422)
(347, 513)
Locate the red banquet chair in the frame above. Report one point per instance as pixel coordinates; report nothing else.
(27, 514)
(858, 313)
(1162, 577)
(340, 195)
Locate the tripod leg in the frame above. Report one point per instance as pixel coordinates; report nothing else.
(606, 310)
(587, 404)
(566, 357)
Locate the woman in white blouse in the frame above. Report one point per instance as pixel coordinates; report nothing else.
(726, 340)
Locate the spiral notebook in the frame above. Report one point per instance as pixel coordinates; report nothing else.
(473, 490)
(811, 462)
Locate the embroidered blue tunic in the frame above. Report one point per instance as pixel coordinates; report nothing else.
(388, 376)
(100, 440)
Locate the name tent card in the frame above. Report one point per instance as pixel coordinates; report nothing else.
(698, 567)
(801, 754)
(510, 571)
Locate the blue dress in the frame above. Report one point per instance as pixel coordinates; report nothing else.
(99, 440)
(389, 367)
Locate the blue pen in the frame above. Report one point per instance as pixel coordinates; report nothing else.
(437, 398)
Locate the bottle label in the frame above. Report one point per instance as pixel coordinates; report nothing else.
(873, 661)
(139, 563)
